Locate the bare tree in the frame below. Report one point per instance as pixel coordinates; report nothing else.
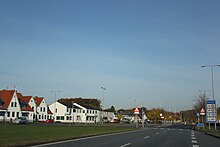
(200, 102)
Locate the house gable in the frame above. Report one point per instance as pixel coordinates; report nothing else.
(6, 97)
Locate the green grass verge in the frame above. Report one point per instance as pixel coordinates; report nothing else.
(15, 135)
(212, 131)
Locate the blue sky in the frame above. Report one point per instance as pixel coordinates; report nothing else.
(145, 52)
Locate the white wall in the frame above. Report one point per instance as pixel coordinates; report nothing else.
(42, 111)
(14, 109)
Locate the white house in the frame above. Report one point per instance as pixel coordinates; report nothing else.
(74, 113)
(9, 105)
(42, 108)
(26, 109)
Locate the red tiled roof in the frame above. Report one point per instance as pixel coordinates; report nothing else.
(27, 98)
(38, 100)
(28, 108)
(19, 95)
(6, 96)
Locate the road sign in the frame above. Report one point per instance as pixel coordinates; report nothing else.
(200, 125)
(202, 112)
(136, 111)
(211, 111)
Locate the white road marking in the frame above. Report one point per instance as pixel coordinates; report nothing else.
(180, 129)
(146, 137)
(195, 145)
(157, 133)
(125, 145)
(193, 138)
(194, 141)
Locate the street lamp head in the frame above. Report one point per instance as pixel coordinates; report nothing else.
(103, 88)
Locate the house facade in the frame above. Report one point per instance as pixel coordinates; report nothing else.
(76, 113)
(14, 104)
(9, 105)
(26, 109)
(41, 109)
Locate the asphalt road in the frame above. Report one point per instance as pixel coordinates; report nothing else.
(173, 136)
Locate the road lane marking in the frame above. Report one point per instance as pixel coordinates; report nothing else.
(194, 141)
(195, 145)
(125, 145)
(193, 138)
(146, 137)
(157, 133)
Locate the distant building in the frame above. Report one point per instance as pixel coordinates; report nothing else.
(74, 113)
(14, 104)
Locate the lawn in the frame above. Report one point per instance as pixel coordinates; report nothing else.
(211, 131)
(14, 135)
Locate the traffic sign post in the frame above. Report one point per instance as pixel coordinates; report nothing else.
(136, 112)
(211, 112)
(202, 113)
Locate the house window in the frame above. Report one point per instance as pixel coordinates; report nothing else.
(13, 114)
(23, 104)
(25, 114)
(17, 114)
(44, 109)
(32, 108)
(56, 110)
(1, 102)
(12, 104)
(39, 116)
(74, 110)
(45, 116)
(8, 114)
(15, 104)
(40, 109)
(2, 113)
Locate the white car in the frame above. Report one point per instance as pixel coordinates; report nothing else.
(20, 120)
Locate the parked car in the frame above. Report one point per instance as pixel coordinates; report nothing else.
(20, 120)
(49, 121)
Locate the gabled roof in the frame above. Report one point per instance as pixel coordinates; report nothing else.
(38, 100)
(6, 96)
(28, 108)
(26, 99)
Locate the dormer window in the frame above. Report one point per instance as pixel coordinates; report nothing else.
(1, 102)
(23, 104)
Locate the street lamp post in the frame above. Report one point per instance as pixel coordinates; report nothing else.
(213, 89)
(55, 97)
(103, 93)
(211, 67)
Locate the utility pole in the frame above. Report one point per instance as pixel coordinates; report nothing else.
(102, 112)
(55, 97)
